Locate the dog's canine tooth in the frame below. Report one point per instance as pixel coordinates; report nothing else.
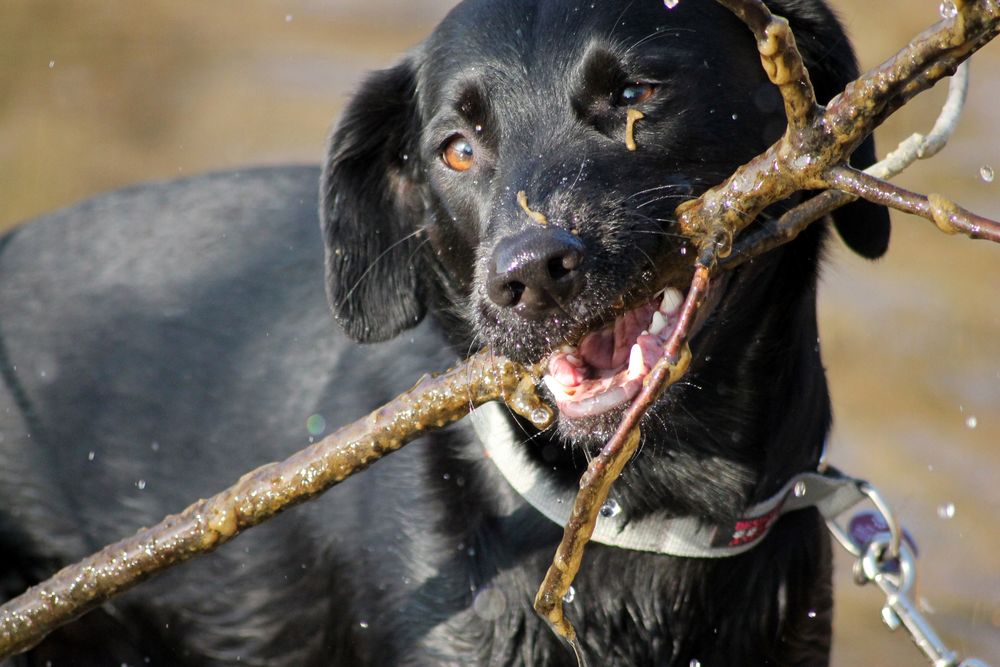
(636, 364)
(658, 324)
(672, 299)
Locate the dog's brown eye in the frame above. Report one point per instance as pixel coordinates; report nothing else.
(635, 93)
(458, 154)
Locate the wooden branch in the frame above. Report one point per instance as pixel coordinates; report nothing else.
(206, 525)
(769, 233)
(814, 153)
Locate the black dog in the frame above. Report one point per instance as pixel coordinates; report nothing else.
(157, 342)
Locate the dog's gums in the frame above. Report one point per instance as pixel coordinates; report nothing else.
(608, 366)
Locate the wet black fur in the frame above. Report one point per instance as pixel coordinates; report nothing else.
(157, 342)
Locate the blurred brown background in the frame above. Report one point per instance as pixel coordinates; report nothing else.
(98, 94)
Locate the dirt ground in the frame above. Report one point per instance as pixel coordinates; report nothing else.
(96, 95)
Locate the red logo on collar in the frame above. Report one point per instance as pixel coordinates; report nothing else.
(746, 531)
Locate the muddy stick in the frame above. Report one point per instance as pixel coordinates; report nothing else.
(206, 525)
(814, 153)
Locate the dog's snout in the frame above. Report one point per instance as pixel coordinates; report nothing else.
(536, 271)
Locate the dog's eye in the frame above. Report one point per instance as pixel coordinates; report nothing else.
(458, 154)
(635, 93)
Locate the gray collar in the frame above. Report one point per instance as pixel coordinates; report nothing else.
(830, 492)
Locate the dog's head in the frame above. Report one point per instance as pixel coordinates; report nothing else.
(500, 176)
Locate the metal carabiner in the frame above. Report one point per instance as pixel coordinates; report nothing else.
(888, 561)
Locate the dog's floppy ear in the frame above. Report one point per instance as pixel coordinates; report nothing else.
(370, 209)
(830, 59)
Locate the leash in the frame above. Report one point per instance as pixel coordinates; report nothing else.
(885, 553)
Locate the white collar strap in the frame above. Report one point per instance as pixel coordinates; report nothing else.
(830, 492)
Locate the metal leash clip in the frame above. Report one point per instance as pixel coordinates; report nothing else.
(886, 555)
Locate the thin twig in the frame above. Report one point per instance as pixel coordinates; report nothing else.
(605, 468)
(946, 214)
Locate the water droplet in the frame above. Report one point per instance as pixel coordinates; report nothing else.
(315, 424)
(288, 18)
(52, 63)
(490, 603)
(570, 595)
(670, 4)
(539, 415)
(695, 662)
(811, 613)
(140, 484)
(986, 173)
(971, 421)
(946, 511)
(736, 116)
(948, 9)
(611, 508)
(91, 455)
(155, 446)
(364, 625)
(800, 489)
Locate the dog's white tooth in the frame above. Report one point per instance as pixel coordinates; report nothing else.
(556, 387)
(658, 324)
(672, 298)
(636, 364)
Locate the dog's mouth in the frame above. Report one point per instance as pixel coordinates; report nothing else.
(606, 368)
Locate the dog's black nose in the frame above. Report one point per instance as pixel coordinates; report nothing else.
(536, 271)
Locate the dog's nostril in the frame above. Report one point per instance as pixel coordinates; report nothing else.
(507, 294)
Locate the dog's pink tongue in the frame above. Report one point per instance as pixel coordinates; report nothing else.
(598, 348)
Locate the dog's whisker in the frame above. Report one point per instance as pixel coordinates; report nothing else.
(654, 200)
(614, 26)
(668, 186)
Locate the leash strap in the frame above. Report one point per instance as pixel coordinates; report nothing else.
(830, 492)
